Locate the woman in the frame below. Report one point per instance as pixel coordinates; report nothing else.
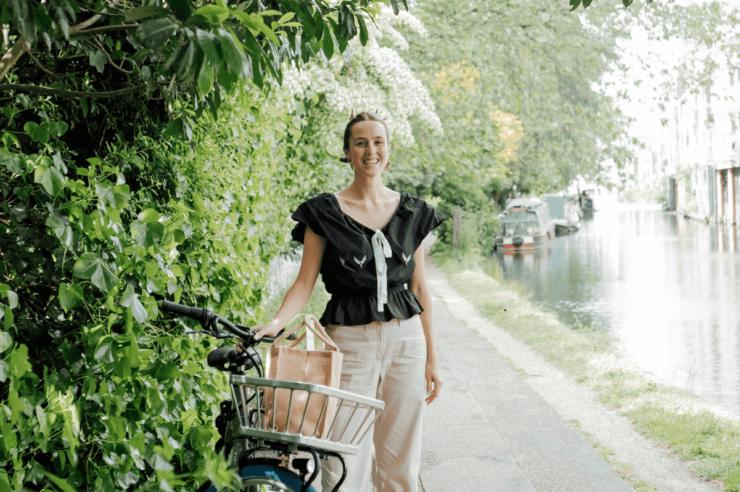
(366, 243)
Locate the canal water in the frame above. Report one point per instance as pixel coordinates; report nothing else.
(666, 288)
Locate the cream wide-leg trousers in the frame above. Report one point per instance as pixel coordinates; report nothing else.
(384, 360)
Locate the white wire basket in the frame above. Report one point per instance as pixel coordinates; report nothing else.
(305, 414)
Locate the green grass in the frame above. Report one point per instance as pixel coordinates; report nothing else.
(674, 418)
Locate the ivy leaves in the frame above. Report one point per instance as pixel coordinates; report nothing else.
(90, 267)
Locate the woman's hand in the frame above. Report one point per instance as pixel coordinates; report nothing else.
(434, 383)
(270, 329)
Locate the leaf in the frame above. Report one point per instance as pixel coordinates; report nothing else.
(156, 32)
(181, 8)
(205, 79)
(104, 352)
(60, 227)
(23, 20)
(167, 371)
(348, 22)
(98, 60)
(149, 215)
(209, 44)
(8, 318)
(6, 341)
(250, 21)
(213, 14)
(61, 483)
(187, 61)
(14, 163)
(286, 17)
(363, 30)
(49, 178)
(89, 266)
(236, 60)
(174, 129)
(115, 197)
(139, 13)
(38, 133)
(18, 361)
(131, 300)
(327, 43)
(147, 234)
(69, 296)
(12, 299)
(58, 128)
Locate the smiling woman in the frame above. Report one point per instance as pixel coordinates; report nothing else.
(366, 242)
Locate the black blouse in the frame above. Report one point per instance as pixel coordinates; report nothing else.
(348, 266)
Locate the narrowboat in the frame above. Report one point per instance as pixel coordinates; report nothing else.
(564, 212)
(526, 226)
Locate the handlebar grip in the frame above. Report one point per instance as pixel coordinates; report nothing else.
(198, 314)
(220, 356)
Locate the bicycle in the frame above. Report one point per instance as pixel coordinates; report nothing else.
(269, 454)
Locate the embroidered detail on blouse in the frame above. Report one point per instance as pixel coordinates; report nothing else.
(406, 258)
(381, 251)
(360, 262)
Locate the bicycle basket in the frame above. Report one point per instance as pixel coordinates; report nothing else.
(301, 413)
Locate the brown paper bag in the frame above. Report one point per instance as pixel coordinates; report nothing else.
(290, 363)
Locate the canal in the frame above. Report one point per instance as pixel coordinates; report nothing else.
(666, 288)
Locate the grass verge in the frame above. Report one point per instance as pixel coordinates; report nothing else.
(676, 419)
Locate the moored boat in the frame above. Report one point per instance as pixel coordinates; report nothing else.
(565, 213)
(526, 226)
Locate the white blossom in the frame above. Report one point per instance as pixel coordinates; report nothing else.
(376, 79)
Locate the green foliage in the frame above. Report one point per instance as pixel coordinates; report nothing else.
(518, 103)
(107, 61)
(98, 391)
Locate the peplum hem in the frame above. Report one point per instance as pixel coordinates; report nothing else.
(362, 309)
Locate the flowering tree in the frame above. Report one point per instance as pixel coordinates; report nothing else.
(371, 78)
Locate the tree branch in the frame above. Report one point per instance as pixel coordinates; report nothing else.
(110, 60)
(38, 89)
(12, 56)
(15, 53)
(42, 67)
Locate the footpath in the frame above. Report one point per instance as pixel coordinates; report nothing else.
(508, 421)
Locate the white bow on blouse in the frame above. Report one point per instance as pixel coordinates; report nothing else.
(381, 251)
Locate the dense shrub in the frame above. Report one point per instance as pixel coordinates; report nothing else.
(98, 391)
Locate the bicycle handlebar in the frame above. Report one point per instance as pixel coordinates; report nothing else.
(203, 316)
(208, 319)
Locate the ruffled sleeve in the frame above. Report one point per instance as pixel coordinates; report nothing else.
(429, 219)
(306, 215)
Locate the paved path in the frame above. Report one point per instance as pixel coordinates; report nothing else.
(493, 430)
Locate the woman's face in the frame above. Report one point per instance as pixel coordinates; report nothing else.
(368, 148)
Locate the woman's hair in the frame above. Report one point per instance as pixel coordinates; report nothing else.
(364, 116)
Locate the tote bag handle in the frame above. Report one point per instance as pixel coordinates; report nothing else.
(310, 323)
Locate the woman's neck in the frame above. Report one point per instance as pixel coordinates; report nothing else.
(366, 190)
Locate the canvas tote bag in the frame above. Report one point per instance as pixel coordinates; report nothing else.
(288, 362)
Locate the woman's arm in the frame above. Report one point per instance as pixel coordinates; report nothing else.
(299, 293)
(421, 290)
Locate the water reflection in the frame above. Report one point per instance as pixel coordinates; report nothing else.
(664, 286)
